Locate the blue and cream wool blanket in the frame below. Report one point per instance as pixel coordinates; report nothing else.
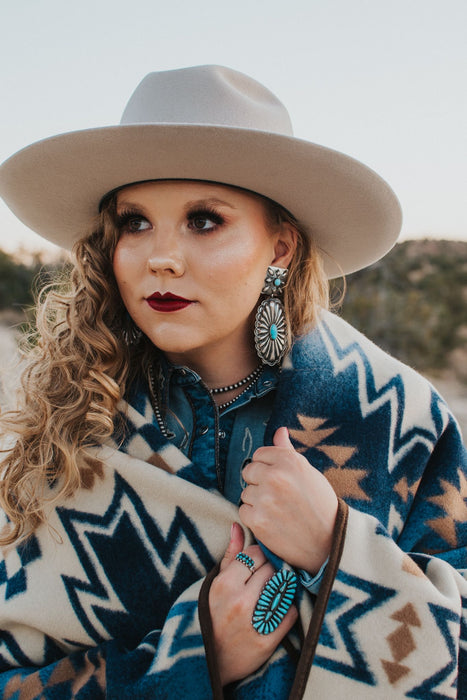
(110, 600)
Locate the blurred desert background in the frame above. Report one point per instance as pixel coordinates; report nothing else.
(413, 303)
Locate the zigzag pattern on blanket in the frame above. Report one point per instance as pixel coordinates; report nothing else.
(15, 578)
(167, 563)
(382, 385)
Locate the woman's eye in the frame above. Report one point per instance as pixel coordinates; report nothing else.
(138, 223)
(203, 222)
(133, 224)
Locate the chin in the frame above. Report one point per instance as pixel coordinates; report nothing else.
(174, 345)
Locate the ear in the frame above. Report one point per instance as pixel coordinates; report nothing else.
(285, 245)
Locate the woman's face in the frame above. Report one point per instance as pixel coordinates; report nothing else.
(190, 264)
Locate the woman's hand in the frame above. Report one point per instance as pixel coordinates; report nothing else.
(232, 599)
(289, 505)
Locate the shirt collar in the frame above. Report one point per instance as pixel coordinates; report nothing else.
(167, 373)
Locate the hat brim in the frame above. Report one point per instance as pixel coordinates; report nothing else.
(55, 186)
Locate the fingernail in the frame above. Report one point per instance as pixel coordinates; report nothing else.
(232, 528)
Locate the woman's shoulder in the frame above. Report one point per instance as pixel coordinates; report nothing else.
(334, 346)
(337, 385)
(336, 371)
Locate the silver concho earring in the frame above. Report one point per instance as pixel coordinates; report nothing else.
(270, 323)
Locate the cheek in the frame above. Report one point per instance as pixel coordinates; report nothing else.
(123, 276)
(237, 267)
(117, 264)
(123, 264)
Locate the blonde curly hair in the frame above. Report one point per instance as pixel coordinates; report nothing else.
(79, 366)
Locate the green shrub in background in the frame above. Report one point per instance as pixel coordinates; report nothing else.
(413, 303)
(15, 283)
(20, 281)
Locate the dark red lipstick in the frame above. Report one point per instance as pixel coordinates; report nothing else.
(167, 302)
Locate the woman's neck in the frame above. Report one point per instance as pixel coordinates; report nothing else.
(218, 368)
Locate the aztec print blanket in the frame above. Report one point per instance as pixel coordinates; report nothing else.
(111, 600)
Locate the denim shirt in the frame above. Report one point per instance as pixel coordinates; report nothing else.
(225, 440)
(220, 441)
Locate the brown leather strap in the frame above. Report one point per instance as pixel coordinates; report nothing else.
(319, 611)
(208, 634)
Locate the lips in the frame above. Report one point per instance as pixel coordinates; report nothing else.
(167, 302)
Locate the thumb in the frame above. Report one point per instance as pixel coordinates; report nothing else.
(281, 439)
(237, 540)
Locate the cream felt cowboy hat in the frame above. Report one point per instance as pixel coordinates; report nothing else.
(205, 123)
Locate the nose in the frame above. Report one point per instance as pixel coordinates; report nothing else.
(165, 256)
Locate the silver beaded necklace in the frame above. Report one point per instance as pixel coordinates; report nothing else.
(155, 403)
(246, 382)
(252, 379)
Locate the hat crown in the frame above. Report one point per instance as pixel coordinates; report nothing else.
(213, 124)
(206, 95)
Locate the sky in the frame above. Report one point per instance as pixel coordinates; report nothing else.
(384, 81)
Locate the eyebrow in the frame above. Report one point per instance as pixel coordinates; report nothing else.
(205, 202)
(128, 205)
(210, 201)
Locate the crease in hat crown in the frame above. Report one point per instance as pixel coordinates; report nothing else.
(213, 124)
(206, 95)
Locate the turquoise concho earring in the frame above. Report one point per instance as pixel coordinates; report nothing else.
(270, 323)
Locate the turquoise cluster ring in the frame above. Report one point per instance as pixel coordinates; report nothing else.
(274, 602)
(248, 561)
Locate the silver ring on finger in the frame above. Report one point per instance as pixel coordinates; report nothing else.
(247, 561)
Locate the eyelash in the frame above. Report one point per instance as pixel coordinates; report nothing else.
(125, 217)
(209, 214)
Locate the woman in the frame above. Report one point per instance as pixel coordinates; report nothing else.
(191, 367)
